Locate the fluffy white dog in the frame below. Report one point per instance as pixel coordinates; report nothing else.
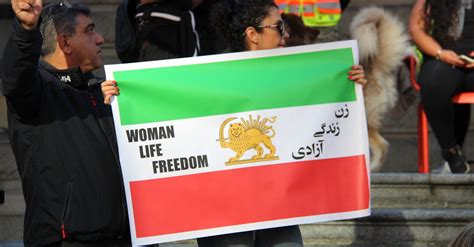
(383, 42)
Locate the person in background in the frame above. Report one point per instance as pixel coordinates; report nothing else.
(61, 133)
(159, 29)
(443, 30)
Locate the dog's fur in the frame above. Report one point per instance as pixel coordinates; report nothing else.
(299, 34)
(383, 42)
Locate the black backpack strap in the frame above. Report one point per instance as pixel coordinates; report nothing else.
(189, 38)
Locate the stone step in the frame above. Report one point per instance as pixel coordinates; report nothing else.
(410, 190)
(11, 227)
(386, 227)
(391, 227)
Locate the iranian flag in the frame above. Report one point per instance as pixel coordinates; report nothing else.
(242, 141)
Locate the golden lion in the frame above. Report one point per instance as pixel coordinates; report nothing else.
(248, 135)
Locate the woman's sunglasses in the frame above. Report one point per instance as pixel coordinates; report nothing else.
(280, 27)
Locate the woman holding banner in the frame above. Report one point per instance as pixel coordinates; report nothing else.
(249, 25)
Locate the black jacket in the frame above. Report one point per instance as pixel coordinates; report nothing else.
(63, 140)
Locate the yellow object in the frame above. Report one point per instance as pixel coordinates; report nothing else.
(248, 135)
(419, 57)
(315, 13)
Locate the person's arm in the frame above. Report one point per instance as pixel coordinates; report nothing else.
(20, 59)
(427, 43)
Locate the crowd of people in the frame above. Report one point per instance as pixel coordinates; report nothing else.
(61, 127)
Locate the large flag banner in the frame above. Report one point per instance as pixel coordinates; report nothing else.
(242, 141)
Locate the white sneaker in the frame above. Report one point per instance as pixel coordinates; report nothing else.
(443, 169)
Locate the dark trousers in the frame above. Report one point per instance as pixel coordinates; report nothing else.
(439, 83)
(289, 236)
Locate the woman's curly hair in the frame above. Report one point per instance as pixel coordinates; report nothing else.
(441, 18)
(230, 18)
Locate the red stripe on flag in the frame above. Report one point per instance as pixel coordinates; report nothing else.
(249, 195)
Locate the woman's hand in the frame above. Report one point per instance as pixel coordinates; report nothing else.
(109, 88)
(451, 58)
(357, 75)
(470, 65)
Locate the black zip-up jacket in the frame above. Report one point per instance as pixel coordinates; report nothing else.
(64, 143)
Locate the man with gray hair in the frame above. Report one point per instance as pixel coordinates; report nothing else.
(61, 132)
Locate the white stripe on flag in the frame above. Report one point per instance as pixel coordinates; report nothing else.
(295, 128)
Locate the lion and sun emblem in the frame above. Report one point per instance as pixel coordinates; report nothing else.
(247, 135)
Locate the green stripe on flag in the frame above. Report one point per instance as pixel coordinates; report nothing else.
(171, 93)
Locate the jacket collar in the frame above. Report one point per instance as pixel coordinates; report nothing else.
(73, 77)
